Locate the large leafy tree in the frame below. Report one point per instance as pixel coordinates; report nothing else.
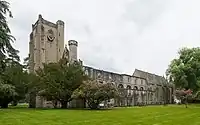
(15, 76)
(11, 72)
(34, 86)
(184, 71)
(7, 94)
(12, 76)
(6, 48)
(94, 93)
(59, 80)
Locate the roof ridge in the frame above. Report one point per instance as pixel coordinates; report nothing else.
(149, 73)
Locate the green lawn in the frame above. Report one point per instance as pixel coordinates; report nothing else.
(151, 115)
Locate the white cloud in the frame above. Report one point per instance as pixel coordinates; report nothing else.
(116, 35)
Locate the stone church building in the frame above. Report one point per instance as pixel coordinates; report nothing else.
(141, 88)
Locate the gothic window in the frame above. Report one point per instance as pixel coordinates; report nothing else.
(129, 90)
(121, 78)
(42, 28)
(135, 90)
(128, 79)
(120, 86)
(42, 37)
(43, 50)
(135, 87)
(135, 80)
(86, 72)
(157, 90)
(151, 97)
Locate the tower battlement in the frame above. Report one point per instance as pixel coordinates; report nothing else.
(60, 22)
(46, 42)
(72, 42)
(72, 50)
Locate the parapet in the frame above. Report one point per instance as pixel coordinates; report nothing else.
(72, 42)
(40, 16)
(60, 22)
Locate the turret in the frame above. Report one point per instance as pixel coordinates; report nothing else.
(72, 50)
(60, 37)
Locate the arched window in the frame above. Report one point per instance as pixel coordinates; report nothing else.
(120, 86)
(135, 88)
(157, 93)
(86, 72)
(121, 89)
(112, 84)
(136, 80)
(129, 90)
(163, 93)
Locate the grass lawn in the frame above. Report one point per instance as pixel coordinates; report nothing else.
(150, 115)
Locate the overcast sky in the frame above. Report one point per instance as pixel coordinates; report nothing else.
(116, 35)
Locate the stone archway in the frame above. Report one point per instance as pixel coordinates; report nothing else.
(121, 100)
(157, 95)
(168, 95)
(129, 95)
(136, 92)
(120, 86)
(163, 95)
(142, 95)
(150, 95)
(112, 84)
(129, 90)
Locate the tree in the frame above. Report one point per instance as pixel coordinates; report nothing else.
(34, 86)
(7, 94)
(94, 93)
(26, 63)
(183, 95)
(15, 76)
(184, 71)
(6, 48)
(59, 80)
(11, 73)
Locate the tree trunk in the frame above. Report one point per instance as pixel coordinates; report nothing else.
(64, 104)
(186, 102)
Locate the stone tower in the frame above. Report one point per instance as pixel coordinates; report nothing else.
(46, 43)
(72, 50)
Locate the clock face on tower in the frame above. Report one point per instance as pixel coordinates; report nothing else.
(50, 35)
